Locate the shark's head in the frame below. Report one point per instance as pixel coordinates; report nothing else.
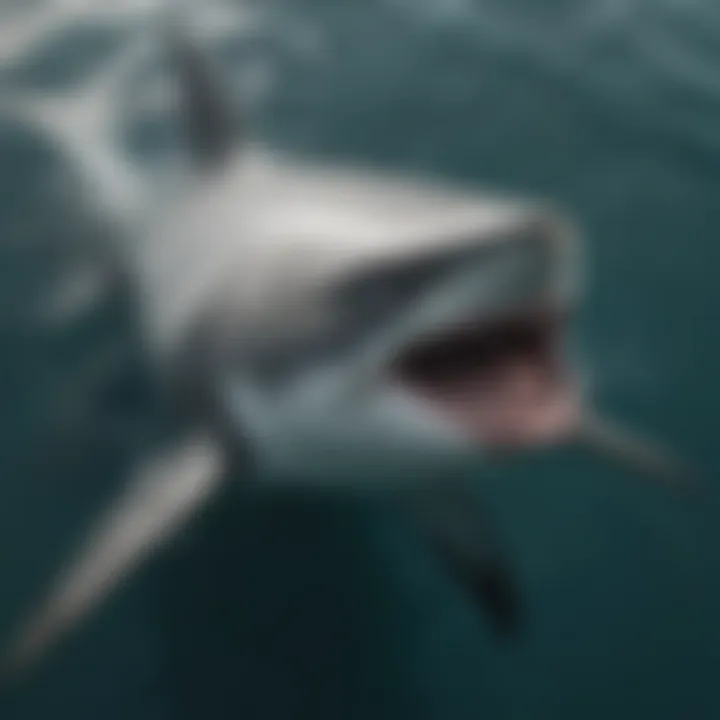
(414, 325)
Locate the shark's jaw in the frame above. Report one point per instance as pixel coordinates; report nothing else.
(503, 382)
(486, 354)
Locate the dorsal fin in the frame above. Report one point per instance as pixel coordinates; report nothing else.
(209, 124)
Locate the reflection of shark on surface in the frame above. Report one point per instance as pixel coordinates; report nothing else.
(328, 322)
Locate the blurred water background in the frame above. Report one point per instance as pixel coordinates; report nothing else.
(302, 607)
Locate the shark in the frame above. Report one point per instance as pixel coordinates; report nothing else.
(326, 321)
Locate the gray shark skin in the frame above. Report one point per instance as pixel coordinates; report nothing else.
(278, 298)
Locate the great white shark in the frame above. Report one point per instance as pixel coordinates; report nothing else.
(328, 322)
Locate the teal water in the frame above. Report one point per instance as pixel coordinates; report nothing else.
(295, 607)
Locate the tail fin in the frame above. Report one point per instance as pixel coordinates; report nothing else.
(79, 122)
(80, 119)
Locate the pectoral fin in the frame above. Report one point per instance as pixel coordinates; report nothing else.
(161, 498)
(638, 453)
(456, 527)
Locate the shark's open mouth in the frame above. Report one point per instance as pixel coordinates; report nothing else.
(504, 383)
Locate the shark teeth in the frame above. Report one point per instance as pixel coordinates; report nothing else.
(503, 382)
